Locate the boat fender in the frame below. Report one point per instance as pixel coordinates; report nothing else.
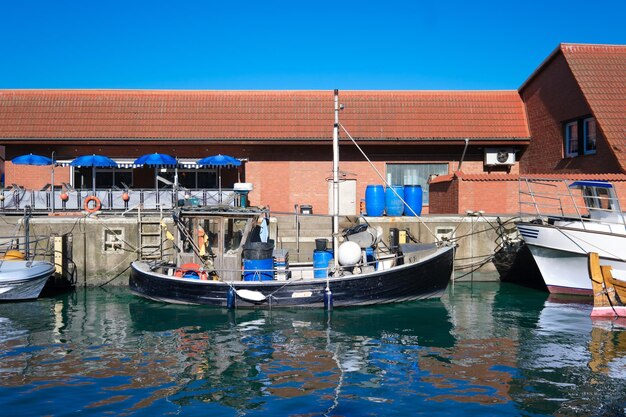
(349, 253)
(204, 276)
(249, 295)
(328, 299)
(230, 298)
(89, 208)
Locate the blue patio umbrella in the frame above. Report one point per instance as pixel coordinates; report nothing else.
(94, 161)
(37, 160)
(219, 161)
(156, 160)
(31, 159)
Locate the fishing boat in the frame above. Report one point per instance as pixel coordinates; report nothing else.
(225, 259)
(588, 219)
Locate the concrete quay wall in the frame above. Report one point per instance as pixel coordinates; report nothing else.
(104, 246)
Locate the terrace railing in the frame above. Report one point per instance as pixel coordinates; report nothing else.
(15, 200)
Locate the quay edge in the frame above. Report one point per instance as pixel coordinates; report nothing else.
(99, 257)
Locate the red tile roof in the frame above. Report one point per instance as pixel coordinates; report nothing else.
(245, 115)
(600, 71)
(514, 177)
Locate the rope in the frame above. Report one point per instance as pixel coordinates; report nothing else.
(387, 184)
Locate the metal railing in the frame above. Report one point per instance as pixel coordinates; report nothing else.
(548, 199)
(15, 200)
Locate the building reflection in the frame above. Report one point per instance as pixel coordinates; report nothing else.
(494, 345)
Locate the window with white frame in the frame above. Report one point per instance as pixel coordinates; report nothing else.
(589, 135)
(580, 137)
(414, 174)
(571, 139)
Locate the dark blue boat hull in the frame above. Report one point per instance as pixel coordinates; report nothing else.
(425, 279)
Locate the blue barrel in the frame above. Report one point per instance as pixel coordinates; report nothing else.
(375, 200)
(321, 259)
(393, 204)
(258, 269)
(413, 198)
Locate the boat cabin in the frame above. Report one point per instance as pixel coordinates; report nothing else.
(601, 200)
(215, 239)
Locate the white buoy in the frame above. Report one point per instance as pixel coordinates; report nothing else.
(349, 253)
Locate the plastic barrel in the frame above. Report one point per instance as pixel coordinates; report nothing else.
(258, 269)
(394, 205)
(413, 198)
(321, 259)
(375, 200)
(258, 250)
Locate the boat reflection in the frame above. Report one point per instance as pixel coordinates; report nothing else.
(497, 346)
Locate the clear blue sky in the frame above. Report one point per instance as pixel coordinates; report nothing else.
(293, 44)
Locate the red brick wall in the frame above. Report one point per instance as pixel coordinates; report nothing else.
(553, 98)
(444, 197)
(34, 177)
(492, 197)
(282, 176)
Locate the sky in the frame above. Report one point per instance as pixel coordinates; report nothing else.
(292, 45)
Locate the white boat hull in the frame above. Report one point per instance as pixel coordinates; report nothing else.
(561, 254)
(23, 280)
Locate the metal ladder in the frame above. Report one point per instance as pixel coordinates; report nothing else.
(150, 238)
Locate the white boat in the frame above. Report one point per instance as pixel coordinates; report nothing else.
(23, 280)
(588, 221)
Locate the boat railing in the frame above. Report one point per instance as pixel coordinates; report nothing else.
(32, 248)
(15, 199)
(294, 271)
(553, 199)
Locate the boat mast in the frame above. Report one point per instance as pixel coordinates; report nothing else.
(336, 181)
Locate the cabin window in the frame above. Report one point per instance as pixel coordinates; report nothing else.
(571, 139)
(598, 198)
(233, 233)
(414, 174)
(589, 135)
(208, 232)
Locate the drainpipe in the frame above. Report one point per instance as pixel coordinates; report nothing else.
(463, 156)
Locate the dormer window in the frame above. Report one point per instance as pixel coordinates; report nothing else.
(571, 139)
(580, 137)
(589, 135)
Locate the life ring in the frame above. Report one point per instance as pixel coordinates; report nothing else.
(96, 206)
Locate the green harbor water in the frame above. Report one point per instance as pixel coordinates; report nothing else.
(485, 349)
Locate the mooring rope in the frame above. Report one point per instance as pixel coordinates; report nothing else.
(382, 178)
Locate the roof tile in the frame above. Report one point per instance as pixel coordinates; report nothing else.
(260, 114)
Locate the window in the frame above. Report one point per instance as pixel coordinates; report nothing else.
(193, 178)
(113, 240)
(571, 139)
(414, 174)
(580, 137)
(105, 177)
(589, 135)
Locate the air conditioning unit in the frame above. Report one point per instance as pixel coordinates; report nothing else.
(499, 156)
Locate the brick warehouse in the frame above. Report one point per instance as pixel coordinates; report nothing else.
(567, 119)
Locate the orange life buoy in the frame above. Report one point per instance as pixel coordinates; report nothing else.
(96, 206)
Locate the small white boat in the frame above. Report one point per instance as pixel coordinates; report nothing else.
(23, 280)
(591, 221)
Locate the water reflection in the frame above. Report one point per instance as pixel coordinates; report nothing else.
(484, 349)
